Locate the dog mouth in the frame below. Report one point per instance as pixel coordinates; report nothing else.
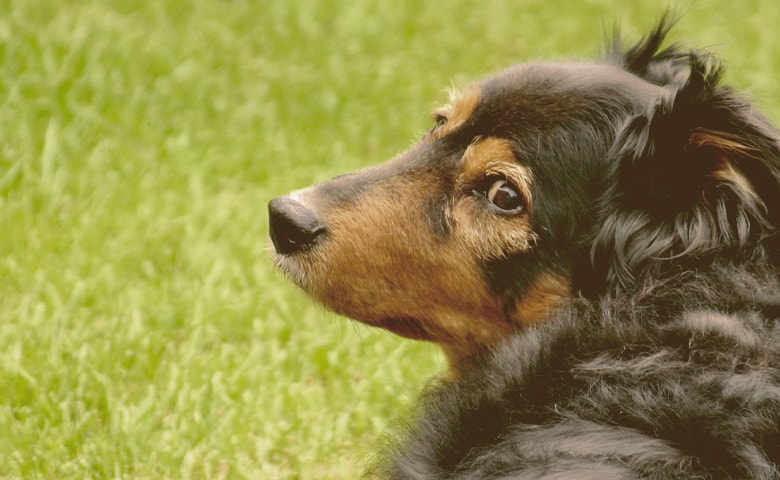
(290, 267)
(294, 268)
(405, 327)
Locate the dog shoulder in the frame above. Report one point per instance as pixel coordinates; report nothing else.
(602, 393)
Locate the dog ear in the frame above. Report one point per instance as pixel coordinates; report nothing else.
(696, 174)
(645, 58)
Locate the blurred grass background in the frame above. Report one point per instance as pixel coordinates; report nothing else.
(143, 330)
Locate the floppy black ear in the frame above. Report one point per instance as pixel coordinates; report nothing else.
(698, 173)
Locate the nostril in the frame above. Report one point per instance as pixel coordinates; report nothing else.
(293, 225)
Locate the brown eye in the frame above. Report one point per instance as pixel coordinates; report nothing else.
(505, 196)
(440, 119)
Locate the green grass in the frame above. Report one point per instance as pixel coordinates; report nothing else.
(143, 330)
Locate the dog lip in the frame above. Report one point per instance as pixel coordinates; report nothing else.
(404, 327)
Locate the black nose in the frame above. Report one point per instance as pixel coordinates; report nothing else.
(293, 226)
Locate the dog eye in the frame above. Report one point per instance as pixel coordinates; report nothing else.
(440, 120)
(505, 196)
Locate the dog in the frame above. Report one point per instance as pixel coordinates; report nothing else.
(595, 247)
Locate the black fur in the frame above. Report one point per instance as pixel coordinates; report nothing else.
(681, 381)
(668, 364)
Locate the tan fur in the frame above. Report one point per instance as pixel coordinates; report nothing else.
(383, 266)
(492, 237)
(725, 146)
(462, 105)
(706, 138)
(548, 292)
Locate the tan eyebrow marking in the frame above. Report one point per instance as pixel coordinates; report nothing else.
(461, 106)
(492, 155)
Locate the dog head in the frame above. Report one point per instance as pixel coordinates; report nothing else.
(543, 182)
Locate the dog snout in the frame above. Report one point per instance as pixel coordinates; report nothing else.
(293, 225)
